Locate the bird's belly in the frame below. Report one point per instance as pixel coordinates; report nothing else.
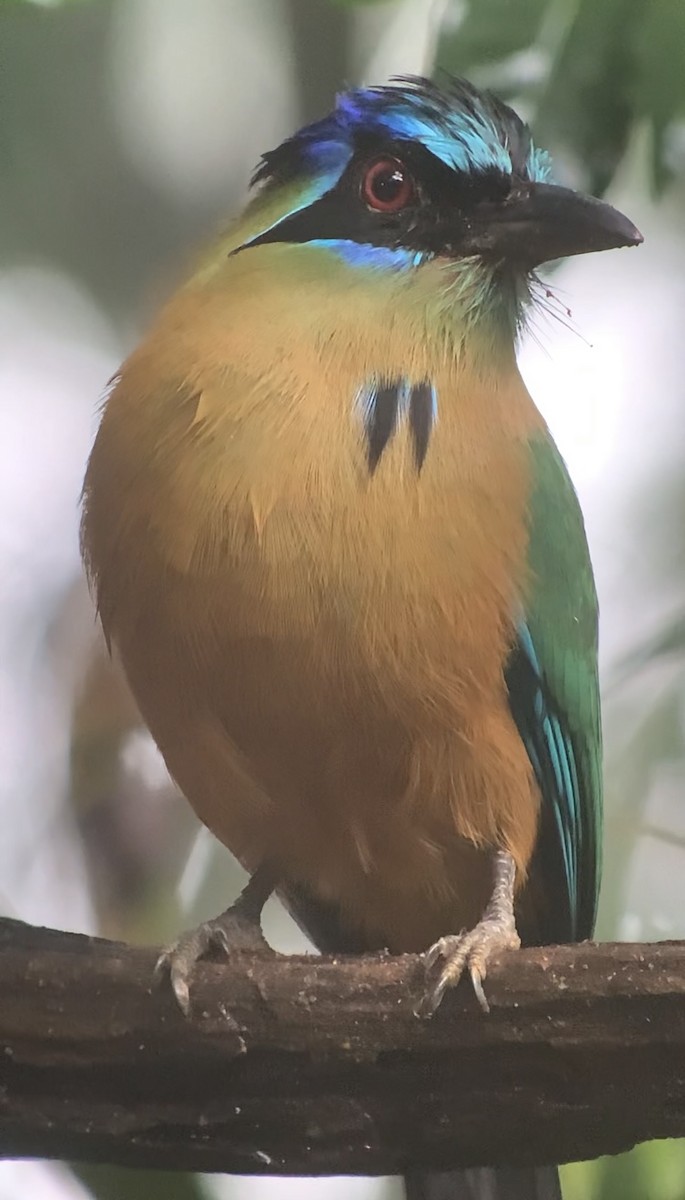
(313, 768)
(337, 704)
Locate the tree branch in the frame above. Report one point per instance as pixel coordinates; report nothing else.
(315, 1066)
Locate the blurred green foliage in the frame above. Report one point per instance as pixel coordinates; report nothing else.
(127, 1183)
(42, 3)
(587, 71)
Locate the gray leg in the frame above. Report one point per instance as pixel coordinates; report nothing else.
(496, 931)
(236, 929)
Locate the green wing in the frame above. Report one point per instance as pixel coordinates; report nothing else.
(554, 696)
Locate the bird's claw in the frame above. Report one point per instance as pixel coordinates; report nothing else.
(229, 933)
(471, 949)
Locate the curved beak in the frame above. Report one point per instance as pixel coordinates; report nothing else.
(540, 221)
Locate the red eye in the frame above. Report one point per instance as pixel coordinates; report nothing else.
(387, 186)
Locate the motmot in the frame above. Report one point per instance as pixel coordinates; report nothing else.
(342, 562)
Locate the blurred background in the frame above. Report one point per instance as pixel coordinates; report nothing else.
(128, 130)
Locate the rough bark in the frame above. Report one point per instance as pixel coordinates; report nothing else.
(318, 1066)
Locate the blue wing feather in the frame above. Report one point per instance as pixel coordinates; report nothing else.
(553, 758)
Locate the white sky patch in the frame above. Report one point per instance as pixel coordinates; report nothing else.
(39, 1181)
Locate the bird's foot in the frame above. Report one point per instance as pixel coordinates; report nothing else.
(228, 933)
(237, 930)
(472, 949)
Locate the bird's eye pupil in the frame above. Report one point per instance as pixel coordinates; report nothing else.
(387, 186)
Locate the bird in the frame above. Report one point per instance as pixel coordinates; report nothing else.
(343, 564)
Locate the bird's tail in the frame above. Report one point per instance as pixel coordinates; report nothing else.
(485, 1183)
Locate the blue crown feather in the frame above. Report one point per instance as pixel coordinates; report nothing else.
(468, 130)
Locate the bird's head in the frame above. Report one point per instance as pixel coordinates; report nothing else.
(401, 175)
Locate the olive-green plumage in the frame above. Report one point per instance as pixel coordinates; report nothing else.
(561, 616)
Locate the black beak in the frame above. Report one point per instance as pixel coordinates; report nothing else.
(538, 222)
